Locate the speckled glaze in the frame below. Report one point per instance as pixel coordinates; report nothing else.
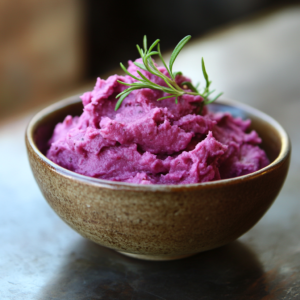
(159, 222)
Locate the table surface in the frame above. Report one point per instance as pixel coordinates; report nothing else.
(256, 62)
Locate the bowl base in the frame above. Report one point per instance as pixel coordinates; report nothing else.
(156, 257)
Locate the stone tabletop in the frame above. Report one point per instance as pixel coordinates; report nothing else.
(256, 62)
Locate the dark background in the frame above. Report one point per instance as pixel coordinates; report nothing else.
(115, 27)
(51, 49)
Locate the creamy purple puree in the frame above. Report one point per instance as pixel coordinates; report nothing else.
(153, 142)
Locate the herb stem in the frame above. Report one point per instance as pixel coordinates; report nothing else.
(172, 89)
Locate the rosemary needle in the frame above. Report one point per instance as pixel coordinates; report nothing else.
(172, 88)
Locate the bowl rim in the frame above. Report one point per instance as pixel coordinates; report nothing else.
(283, 154)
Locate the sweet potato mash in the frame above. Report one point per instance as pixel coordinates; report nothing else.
(153, 142)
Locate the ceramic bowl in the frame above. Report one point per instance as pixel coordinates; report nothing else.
(159, 222)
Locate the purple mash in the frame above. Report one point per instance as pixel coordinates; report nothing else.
(153, 142)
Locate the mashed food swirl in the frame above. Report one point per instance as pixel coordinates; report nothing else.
(153, 142)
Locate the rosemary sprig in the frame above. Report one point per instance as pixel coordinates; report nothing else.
(172, 88)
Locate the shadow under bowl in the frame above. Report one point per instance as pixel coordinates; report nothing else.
(159, 222)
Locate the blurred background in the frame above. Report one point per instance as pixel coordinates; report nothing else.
(49, 48)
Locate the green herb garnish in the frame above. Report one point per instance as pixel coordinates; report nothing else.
(172, 88)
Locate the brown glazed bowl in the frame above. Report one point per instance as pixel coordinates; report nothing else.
(159, 222)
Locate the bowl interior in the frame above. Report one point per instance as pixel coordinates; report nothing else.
(271, 139)
(45, 125)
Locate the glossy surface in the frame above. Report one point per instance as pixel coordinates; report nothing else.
(42, 258)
